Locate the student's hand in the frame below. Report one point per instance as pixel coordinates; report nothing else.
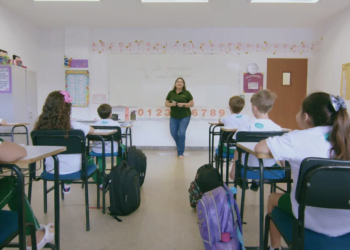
(181, 105)
(10, 151)
(173, 104)
(3, 122)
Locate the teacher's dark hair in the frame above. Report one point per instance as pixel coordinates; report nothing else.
(184, 87)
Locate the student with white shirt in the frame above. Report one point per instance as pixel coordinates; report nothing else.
(326, 134)
(56, 116)
(262, 103)
(105, 113)
(3, 122)
(235, 119)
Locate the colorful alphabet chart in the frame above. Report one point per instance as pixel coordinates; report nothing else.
(77, 84)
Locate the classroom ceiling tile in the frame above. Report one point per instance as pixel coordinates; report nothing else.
(215, 13)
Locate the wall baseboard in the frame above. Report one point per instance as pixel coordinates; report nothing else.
(171, 148)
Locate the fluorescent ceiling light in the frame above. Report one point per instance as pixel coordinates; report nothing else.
(284, 1)
(174, 1)
(66, 0)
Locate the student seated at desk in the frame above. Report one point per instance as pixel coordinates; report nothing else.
(56, 115)
(235, 119)
(10, 152)
(3, 122)
(262, 103)
(105, 113)
(326, 134)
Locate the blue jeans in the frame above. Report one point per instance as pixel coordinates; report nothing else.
(178, 132)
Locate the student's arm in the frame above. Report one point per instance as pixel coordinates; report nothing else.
(10, 152)
(262, 147)
(91, 130)
(169, 104)
(3, 122)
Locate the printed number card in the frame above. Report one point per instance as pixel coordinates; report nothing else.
(166, 112)
(77, 84)
(140, 114)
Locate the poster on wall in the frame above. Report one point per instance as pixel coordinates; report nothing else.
(77, 84)
(252, 83)
(345, 82)
(5, 79)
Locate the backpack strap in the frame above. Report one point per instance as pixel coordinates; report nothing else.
(235, 214)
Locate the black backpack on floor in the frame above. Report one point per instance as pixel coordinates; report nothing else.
(138, 160)
(207, 179)
(124, 190)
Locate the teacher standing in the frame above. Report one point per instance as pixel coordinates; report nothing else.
(179, 100)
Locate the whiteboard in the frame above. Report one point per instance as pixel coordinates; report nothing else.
(141, 80)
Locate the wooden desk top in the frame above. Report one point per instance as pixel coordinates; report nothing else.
(37, 153)
(104, 132)
(216, 123)
(228, 129)
(249, 147)
(126, 126)
(13, 124)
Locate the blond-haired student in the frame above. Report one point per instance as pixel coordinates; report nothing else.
(262, 103)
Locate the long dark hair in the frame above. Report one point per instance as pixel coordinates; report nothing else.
(322, 113)
(184, 87)
(55, 114)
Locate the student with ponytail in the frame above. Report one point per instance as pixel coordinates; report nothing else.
(326, 134)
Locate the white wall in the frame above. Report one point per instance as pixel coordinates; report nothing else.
(54, 44)
(327, 65)
(19, 37)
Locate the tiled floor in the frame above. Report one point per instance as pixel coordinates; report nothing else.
(163, 221)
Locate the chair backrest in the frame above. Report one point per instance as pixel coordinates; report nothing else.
(252, 136)
(323, 183)
(74, 142)
(116, 136)
(226, 136)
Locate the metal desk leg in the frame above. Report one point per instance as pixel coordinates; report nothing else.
(32, 168)
(261, 212)
(57, 203)
(130, 134)
(210, 162)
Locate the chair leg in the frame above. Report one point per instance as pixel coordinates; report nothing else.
(62, 188)
(243, 196)
(87, 205)
(267, 229)
(98, 188)
(271, 189)
(45, 196)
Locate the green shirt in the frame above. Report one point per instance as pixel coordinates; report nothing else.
(183, 97)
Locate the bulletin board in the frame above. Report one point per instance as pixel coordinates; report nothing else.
(345, 82)
(77, 84)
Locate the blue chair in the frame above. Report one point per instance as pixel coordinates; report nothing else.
(75, 142)
(13, 223)
(121, 153)
(272, 175)
(222, 156)
(322, 183)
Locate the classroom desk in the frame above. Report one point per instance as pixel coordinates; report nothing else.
(126, 135)
(14, 126)
(212, 134)
(104, 132)
(37, 153)
(249, 148)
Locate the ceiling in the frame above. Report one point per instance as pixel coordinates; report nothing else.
(133, 13)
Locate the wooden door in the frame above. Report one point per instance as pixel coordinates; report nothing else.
(289, 97)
